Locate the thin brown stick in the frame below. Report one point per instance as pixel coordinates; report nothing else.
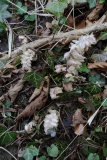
(43, 41)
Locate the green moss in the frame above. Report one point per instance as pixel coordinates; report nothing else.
(96, 102)
(62, 144)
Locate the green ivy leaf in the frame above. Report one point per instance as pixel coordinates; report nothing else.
(34, 78)
(57, 7)
(101, 1)
(42, 158)
(104, 151)
(2, 27)
(3, 62)
(63, 20)
(3, 128)
(30, 152)
(8, 137)
(4, 13)
(29, 17)
(51, 58)
(7, 103)
(53, 150)
(93, 156)
(84, 69)
(97, 79)
(20, 11)
(92, 3)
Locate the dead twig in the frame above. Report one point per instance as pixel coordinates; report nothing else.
(43, 41)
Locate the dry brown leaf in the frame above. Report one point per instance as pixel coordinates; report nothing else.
(88, 23)
(10, 66)
(36, 92)
(79, 129)
(68, 86)
(77, 118)
(94, 15)
(98, 65)
(13, 91)
(105, 93)
(38, 103)
(70, 21)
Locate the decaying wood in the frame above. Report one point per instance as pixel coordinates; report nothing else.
(43, 41)
(36, 104)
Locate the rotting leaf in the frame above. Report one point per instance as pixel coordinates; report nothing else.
(36, 92)
(34, 78)
(77, 118)
(79, 129)
(13, 91)
(37, 103)
(98, 65)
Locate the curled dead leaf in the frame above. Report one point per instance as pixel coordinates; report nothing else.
(95, 12)
(105, 93)
(13, 91)
(36, 92)
(78, 122)
(37, 103)
(79, 129)
(98, 65)
(68, 86)
(77, 118)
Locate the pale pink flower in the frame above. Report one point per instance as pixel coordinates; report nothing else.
(54, 91)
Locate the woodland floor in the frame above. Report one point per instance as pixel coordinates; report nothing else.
(48, 38)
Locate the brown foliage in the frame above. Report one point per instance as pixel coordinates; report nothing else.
(38, 103)
(98, 65)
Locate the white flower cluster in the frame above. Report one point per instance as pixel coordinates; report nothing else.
(54, 91)
(26, 59)
(51, 121)
(74, 57)
(60, 68)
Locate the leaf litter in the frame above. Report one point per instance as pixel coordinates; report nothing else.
(53, 87)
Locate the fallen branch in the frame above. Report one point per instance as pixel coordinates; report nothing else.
(74, 33)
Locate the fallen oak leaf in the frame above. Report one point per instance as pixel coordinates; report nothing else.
(104, 95)
(98, 65)
(37, 104)
(36, 92)
(77, 118)
(78, 122)
(79, 129)
(13, 91)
